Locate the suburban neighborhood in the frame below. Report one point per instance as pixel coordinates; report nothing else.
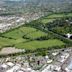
(35, 35)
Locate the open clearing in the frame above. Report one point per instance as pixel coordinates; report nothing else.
(47, 20)
(18, 33)
(35, 35)
(32, 45)
(53, 17)
(24, 32)
(15, 38)
(59, 15)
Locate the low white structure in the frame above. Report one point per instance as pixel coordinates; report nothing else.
(48, 68)
(11, 67)
(55, 53)
(16, 67)
(69, 67)
(51, 68)
(49, 61)
(10, 64)
(4, 27)
(63, 57)
(68, 35)
(4, 66)
(67, 70)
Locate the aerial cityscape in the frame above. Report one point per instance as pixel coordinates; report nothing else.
(35, 35)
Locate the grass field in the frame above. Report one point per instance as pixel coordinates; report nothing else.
(18, 33)
(22, 36)
(32, 45)
(69, 15)
(59, 15)
(9, 42)
(5, 42)
(35, 35)
(53, 17)
(44, 21)
(15, 37)
(27, 32)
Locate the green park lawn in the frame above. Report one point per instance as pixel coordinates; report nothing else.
(44, 21)
(18, 33)
(32, 45)
(35, 35)
(28, 32)
(21, 37)
(53, 16)
(6, 42)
